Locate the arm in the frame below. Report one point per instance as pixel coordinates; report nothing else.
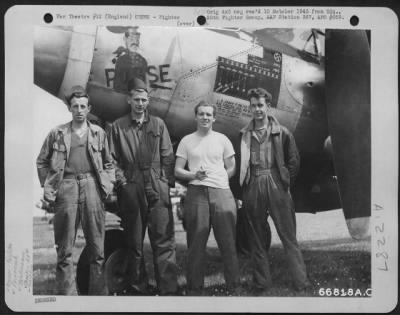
(115, 152)
(229, 157)
(292, 157)
(167, 158)
(186, 175)
(43, 160)
(230, 165)
(107, 159)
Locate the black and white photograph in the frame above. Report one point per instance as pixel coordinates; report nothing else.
(202, 162)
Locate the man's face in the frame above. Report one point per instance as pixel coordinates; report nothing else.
(138, 100)
(80, 108)
(259, 107)
(132, 40)
(205, 117)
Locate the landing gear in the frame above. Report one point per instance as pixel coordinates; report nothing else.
(117, 272)
(113, 240)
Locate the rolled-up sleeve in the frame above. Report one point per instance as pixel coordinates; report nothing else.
(108, 164)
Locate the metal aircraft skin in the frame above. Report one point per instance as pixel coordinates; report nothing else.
(320, 92)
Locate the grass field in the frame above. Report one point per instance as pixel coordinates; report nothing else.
(333, 259)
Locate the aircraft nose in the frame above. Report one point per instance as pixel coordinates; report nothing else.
(304, 81)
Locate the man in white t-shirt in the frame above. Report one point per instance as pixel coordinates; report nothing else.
(209, 201)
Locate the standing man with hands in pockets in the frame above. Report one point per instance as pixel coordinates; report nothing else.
(144, 168)
(269, 165)
(209, 200)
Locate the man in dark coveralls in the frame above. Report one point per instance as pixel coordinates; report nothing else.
(269, 165)
(144, 163)
(76, 170)
(130, 65)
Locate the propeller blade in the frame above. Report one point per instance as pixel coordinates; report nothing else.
(348, 93)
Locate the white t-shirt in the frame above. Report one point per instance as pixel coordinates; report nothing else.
(208, 153)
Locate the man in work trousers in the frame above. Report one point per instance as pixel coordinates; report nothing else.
(269, 165)
(144, 163)
(76, 170)
(209, 200)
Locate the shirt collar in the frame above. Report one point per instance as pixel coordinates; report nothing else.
(144, 119)
(275, 126)
(65, 128)
(252, 125)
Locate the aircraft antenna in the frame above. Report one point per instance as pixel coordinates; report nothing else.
(214, 64)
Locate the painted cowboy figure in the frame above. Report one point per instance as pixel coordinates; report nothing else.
(131, 64)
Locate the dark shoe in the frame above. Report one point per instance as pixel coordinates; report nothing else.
(261, 291)
(238, 291)
(134, 290)
(303, 287)
(175, 293)
(169, 294)
(195, 292)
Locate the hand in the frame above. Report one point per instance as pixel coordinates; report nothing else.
(111, 203)
(201, 174)
(111, 198)
(122, 185)
(48, 206)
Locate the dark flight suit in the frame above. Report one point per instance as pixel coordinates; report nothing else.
(129, 66)
(77, 175)
(273, 165)
(144, 163)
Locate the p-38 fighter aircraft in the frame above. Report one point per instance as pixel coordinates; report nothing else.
(319, 81)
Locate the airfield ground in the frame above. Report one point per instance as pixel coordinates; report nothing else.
(333, 258)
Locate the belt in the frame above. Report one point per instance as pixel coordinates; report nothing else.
(79, 176)
(144, 166)
(260, 171)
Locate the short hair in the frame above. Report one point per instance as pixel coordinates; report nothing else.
(76, 91)
(258, 93)
(204, 103)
